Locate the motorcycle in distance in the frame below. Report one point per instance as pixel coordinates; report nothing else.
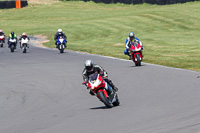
(97, 85)
(24, 44)
(12, 44)
(61, 44)
(2, 39)
(136, 53)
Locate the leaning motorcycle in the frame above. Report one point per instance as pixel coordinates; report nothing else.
(24, 44)
(97, 85)
(12, 44)
(61, 44)
(2, 40)
(136, 53)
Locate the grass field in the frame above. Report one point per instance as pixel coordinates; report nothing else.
(170, 34)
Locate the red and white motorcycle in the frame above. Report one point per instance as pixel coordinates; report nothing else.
(136, 53)
(2, 40)
(97, 85)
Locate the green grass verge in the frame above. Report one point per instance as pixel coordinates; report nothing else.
(170, 33)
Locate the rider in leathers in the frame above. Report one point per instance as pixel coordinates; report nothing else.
(24, 36)
(91, 68)
(12, 36)
(129, 41)
(59, 34)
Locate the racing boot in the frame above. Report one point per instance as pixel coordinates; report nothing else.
(113, 86)
(109, 89)
(129, 57)
(56, 44)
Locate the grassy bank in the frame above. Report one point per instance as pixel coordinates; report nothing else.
(170, 34)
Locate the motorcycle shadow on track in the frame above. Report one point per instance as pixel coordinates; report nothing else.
(142, 65)
(64, 52)
(102, 107)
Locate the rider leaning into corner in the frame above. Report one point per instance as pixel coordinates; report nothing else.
(91, 68)
(24, 36)
(129, 41)
(12, 36)
(59, 34)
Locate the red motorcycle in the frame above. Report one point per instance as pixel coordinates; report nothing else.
(136, 53)
(97, 85)
(2, 39)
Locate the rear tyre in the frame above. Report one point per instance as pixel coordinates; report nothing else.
(116, 103)
(104, 99)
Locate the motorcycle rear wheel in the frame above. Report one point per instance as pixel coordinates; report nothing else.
(104, 99)
(116, 103)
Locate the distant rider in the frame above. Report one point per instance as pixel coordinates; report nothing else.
(59, 34)
(12, 36)
(91, 68)
(24, 36)
(129, 41)
(1, 34)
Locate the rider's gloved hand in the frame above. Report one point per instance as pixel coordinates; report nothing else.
(101, 73)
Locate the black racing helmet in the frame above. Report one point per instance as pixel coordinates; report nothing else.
(12, 34)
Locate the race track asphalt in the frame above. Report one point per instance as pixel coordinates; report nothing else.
(41, 92)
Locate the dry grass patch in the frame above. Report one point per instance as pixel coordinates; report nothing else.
(42, 1)
(41, 39)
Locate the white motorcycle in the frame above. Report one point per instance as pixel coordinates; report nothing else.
(24, 44)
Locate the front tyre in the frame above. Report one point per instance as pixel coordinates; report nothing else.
(104, 99)
(24, 49)
(1, 44)
(138, 60)
(12, 47)
(62, 50)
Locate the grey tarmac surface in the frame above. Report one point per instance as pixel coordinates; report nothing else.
(41, 92)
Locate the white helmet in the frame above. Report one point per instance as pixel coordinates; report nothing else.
(89, 65)
(59, 30)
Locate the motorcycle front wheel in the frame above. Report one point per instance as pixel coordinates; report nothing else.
(12, 47)
(104, 99)
(62, 50)
(24, 49)
(1, 44)
(138, 63)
